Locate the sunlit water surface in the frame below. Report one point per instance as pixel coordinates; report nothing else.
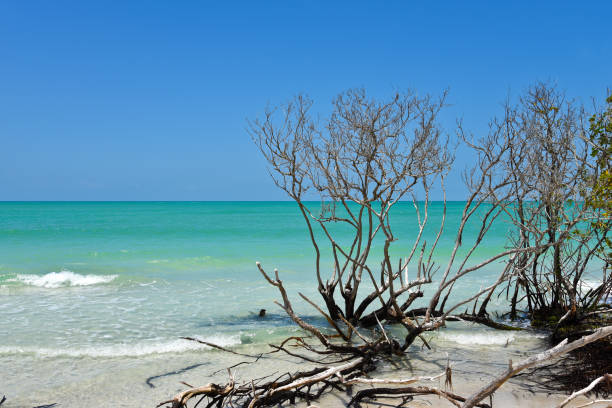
(94, 297)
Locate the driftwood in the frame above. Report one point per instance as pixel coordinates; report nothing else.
(340, 377)
(408, 391)
(607, 378)
(180, 400)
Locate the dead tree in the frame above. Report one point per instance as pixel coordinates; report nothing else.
(359, 163)
(547, 171)
(369, 155)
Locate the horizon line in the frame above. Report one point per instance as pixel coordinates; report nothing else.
(185, 201)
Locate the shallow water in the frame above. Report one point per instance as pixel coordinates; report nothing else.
(94, 297)
(145, 380)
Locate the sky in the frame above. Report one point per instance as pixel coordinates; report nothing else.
(148, 100)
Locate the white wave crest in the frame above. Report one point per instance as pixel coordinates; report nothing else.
(156, 261)
(489, 338)
(589, 284)
(63, 279)
(479, 339)
(124, 349)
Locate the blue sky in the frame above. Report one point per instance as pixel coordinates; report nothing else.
(147, 100)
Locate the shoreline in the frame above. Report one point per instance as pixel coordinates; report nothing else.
(122, 381)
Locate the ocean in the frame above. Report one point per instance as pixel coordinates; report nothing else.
(95, 296)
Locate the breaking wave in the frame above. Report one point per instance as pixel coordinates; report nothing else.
(486, 338)
(480, 339)
(62, 279)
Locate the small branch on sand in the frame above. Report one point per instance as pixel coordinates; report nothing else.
(600, 401)
(607, 378)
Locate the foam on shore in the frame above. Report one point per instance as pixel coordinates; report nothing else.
(124, 349)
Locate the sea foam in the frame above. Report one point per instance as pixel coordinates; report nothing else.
(123, 350)
(63, 279)
(486, 338)
(481, 339)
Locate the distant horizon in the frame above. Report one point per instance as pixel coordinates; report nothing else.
(221, 201)
(194, 201)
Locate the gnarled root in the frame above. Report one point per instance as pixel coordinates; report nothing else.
(210, 390)
(407, 392)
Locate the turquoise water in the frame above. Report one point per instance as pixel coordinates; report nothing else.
(106, 287)
(106, 278)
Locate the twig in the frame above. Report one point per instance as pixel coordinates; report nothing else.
(605, 377)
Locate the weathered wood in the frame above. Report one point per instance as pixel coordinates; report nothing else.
(589, 388)
(211, 390)
(421, 390)
(392, 381)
